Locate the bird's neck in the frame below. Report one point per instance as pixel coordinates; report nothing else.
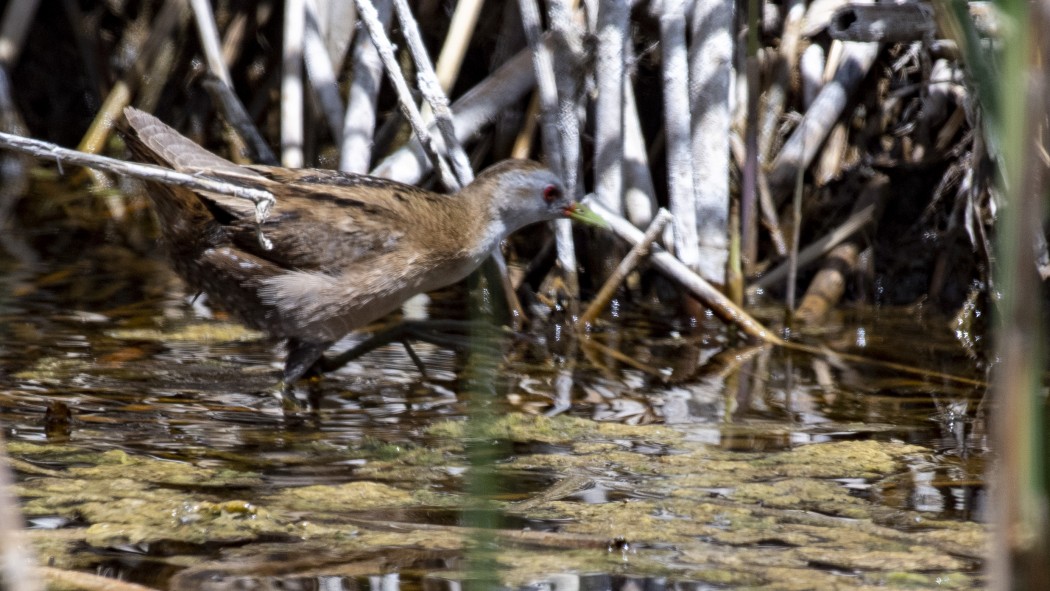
(481, 222)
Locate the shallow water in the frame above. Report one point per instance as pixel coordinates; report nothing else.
(148, 445)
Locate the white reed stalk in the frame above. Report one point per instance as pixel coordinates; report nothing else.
(370, 17)
(554, 143)
(209, 38)
(639, 195)
(681, 196)
(321, 73)
(292, 84)
(359, 124)
(613, 22)
(710, 82)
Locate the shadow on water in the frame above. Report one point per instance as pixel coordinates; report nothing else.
(148, 445)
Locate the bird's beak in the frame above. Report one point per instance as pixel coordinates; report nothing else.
(581, 213)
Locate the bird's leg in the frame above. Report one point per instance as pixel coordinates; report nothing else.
(435, 332)
(304, 357)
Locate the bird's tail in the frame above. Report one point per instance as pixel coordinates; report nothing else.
(185, 221)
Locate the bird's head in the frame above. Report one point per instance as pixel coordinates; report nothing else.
(524, 192)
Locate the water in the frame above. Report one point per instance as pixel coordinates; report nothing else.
(148, 444)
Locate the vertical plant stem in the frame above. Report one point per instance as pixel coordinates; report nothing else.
(1020, 495)
(554, 143)
(682, 198)
(613, 27)
(482, 454)
(639, 195)
(359, 124)
(292, 84)
(460, 30)
(321, 73)
(16, 558)
(710, 74)
(209, 38)
(568, 48)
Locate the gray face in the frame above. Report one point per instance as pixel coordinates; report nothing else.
(529, 196)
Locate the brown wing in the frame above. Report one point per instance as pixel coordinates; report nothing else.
(323, 220)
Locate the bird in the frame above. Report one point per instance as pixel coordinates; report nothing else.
(344, 249)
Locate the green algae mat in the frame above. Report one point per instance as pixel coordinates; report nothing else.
(569, 501)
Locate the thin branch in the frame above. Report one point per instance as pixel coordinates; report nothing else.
(263, 200)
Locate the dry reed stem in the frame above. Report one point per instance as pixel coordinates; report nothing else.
(681, 196)
(711, 297)
(610, 73)
(460, 30)
(710, 77)
(546, 86)
(639, 196)
(339, 20)
(560, 132)
(435, 97)
(522, 146)
(408, 107)
(292, 136)
(237, 117)
(320, 72)
(208, 33)
(355, 154)
(829, 284)
(811, 71)
(853, 224)
(803, 145)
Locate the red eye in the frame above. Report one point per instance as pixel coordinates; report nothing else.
(551, 193)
